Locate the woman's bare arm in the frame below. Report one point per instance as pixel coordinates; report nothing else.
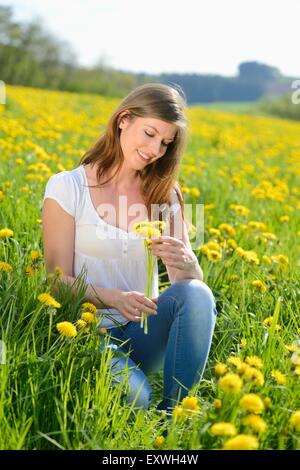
(59, 241)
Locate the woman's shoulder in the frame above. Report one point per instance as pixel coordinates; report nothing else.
(65, 188)
(177, 193)
(67, 176)
(176, 199)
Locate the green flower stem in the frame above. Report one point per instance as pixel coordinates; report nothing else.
(150, 262)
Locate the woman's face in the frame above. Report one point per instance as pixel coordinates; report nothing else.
(145, 140)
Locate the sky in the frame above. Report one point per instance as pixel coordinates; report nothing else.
(165, 36)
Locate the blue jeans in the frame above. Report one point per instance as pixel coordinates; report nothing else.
(179, 339)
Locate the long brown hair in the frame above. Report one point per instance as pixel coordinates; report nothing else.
(159, 178)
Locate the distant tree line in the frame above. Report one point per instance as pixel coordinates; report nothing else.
(283, 106)
(31, 56)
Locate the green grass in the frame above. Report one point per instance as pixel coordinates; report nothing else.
(58, 393)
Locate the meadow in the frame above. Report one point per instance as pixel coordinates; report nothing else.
(55, 388)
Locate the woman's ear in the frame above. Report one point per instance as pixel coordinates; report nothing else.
(123, 119)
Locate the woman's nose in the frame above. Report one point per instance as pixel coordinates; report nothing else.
(155, 148)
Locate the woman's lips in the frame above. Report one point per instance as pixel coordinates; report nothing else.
(140, 154)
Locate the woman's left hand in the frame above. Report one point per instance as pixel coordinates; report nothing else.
(173, 253)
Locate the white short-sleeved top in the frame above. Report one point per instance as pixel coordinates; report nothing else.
(107, 256)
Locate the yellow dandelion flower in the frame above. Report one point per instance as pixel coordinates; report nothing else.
(295, 420)
(58, 271)
(284, 218)
(185, 189)
(227, 228)
(254, 376)
(291, 347)
(261, 239)
(241, 442)
(195, 192)
(159, 225)
(214, 231)
(221, 368)
(159, 441)
(282, 260)
(6, 233)
(5, 267)
(279, 377)
(217, 404)
(88, 317)
(223, 429)
(252, 402)
(259, 285)
(147, 230)
(255, 225)
(178, 412)
(150, 229)
(267, 259)
(242, 368)
(297, 370)
(255, 422)
(231, 243)
(66, 329)
(190, 404)
(239, 209)
(213, 255)
(249, 256)
(48, 300)
(268, 322)
(80, 324)
(213, 246)
(25, 189)
(56, 274)
(35, 255)
(230, 383)
(89, 307)
(235, 361)
(269, 235)
(254, 361)
(29, 270)
(102, 331)
(267, 403)
(204, 249)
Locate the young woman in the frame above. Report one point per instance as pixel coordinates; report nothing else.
(89, 215)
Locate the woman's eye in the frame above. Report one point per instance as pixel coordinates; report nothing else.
(150, 135)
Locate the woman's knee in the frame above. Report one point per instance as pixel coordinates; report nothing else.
(140, 391)
(125, 371)
(194, 291)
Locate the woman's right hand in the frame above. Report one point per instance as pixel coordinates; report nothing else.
(131, 305)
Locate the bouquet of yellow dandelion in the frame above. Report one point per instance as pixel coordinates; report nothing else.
(148, 230)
